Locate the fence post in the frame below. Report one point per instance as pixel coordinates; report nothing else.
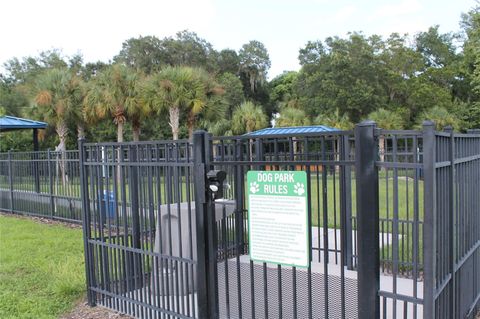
(429, 233)
(10, 180)
(367, 221)
(136, 259)
(452, 221)
(89, 266)
(346, 202)
(50, 182)
(207, 294)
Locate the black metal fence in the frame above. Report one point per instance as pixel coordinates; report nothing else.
(393, 223)
(140, 244)
(452, 224)
(45, 184)
(401, 200)
(248, 289)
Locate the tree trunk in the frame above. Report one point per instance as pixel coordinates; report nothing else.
(136, 132)
(120, 132)
(62, 132)
(381, 147)
(190, 124)
(252, 78)
(80, 132)
(120, 124)
(174, 113)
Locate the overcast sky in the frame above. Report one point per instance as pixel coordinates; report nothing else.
(97, 28)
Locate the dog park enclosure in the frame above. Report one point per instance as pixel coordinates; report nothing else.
(393, 215)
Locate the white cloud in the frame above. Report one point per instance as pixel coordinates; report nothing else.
(344, 13)
(403, 7)
(97, 28)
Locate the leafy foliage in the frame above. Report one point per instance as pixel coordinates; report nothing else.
(162, 88)
(292, 117)
(247, 118)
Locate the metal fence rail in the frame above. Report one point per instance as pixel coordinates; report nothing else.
(400, 178)
(140, 244)
(452, 263)
(394, 219)
(249, 289)
(44, 184)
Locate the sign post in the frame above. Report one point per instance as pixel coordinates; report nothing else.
(278, 217)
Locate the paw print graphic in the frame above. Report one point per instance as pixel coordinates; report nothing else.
(254, 187)
(299, 189)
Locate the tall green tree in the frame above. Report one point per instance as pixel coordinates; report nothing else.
(335, 120)
(441, 117)
(247, 118)
(254, 64)
(58, 99)
(12, 99)
(292, 117)
(283, 91)
(228, 61)
(208, 108)
(115, 93)
(175, 89)
(233, 92)
(341, 74)
(386, 120)
(144, 54)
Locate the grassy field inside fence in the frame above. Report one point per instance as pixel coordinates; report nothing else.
(42, 272)
(405, 191)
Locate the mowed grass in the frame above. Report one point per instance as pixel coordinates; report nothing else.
(394, 196)
(42, 271)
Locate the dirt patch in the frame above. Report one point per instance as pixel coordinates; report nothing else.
(84, 311)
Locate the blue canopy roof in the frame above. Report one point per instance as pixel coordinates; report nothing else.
(9, 123)
(292, 130)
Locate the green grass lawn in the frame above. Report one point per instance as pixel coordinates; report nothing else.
(42, 271)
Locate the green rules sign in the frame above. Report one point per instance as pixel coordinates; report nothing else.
(277, 217)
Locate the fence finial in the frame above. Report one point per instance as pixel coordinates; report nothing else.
(367, 123)
(428, 123)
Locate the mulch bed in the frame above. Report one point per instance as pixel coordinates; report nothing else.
(84, 311)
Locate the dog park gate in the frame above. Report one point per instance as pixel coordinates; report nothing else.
(157, 245)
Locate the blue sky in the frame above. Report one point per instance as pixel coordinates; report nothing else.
(97, 28)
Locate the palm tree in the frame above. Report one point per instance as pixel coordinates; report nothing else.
(58, 96)
(212, 109)
(441, 117)
(115, 93)
(335, 120)
(247, 118)
(175, 89)
(292, 117)
(387, 120)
